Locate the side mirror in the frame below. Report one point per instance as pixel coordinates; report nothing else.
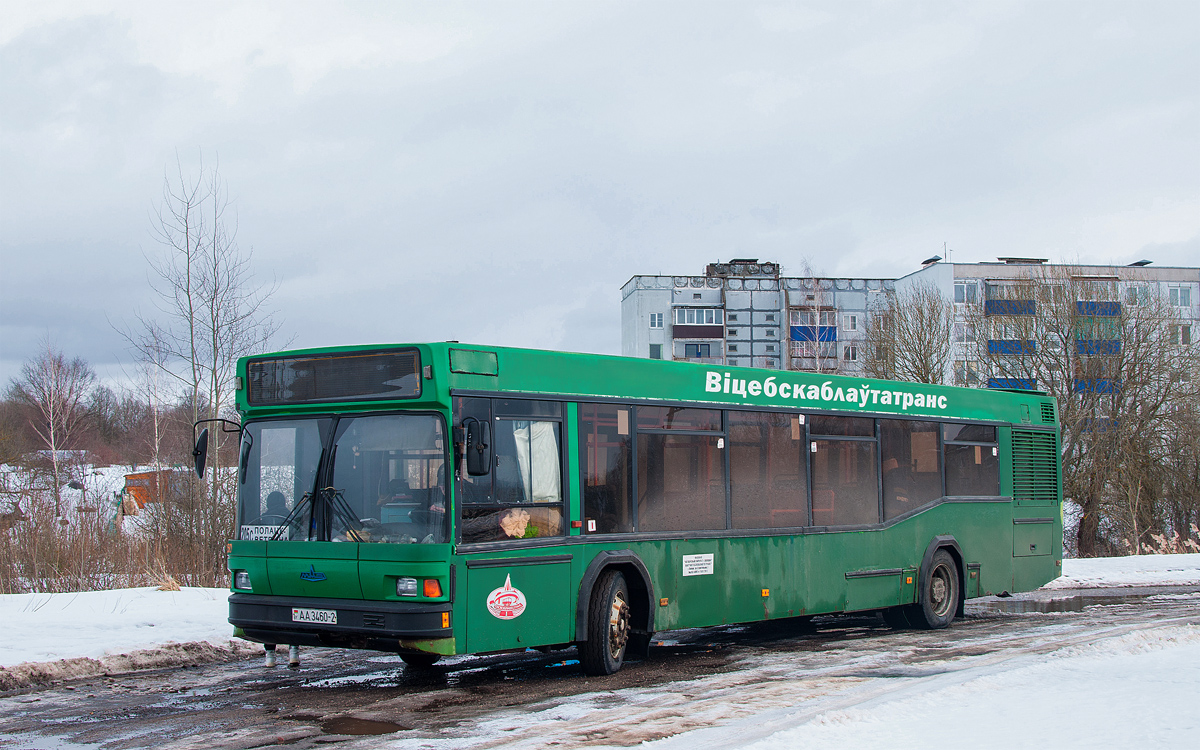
(200, 452)
(478, 448)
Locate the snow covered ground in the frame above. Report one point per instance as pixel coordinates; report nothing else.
(1135, 570)
(1137, 689)
(1073, 681)
(95, 624)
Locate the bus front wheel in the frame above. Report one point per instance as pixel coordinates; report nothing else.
(939, 593)
(609, 621)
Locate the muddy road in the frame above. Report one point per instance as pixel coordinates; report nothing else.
(692, 679)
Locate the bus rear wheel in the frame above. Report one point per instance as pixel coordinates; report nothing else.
(939, 594)
(420, 661)
(609, 622)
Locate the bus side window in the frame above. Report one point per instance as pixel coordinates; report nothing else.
(767, 470)
(972, 460)
(912, 476)
(522, 497)
(605, 462)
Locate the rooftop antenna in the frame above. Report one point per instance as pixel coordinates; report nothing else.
(947, 252)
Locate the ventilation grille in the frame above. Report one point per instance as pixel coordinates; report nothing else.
(1035, 466)
(1048, 412)
(373, 621)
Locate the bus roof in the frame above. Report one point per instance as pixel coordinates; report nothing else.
(451, 367)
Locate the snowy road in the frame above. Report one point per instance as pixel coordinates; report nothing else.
(1102, 668)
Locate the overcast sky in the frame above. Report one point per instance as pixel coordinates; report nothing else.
(494, 172)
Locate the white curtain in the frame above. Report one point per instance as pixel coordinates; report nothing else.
(538, 460)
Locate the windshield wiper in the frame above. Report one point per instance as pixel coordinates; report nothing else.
(292, 518)
(341, 509)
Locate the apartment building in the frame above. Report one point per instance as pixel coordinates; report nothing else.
(748, 313)
(1101, 294)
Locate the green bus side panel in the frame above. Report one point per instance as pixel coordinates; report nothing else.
(1032, 572)
(1033, 540)
(873, 592)
(548, 617)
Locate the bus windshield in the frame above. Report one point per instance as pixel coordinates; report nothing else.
(378, 478)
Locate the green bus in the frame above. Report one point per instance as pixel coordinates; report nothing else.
(438, 499)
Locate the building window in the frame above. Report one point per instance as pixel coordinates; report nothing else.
(1181, 335)
(822, 349)
(1137, 296)
(966, 372)
(964, 292)
(850, 353)
(695, 351)
(699, 316)
(732, 348)
(825, 318)
(732, 317)
(770, 347)
(656, 351)
(696, 295)
(850, 322)
(656, 320)
(1180, 296)
(770, 317)
(733, 331)
(964, 333)
(771, 333)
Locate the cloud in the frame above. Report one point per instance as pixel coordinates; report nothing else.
(495, 172)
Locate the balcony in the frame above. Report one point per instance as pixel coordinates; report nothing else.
(1098, 309)
(1012, 347)
(1009, 307)
(684, 331)
(814, 333)
(1013, 384)
(1097, 347)
(1097, 385)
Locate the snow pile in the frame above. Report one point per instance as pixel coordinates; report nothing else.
(96, 624)
(1136, 690)
(1135, 570)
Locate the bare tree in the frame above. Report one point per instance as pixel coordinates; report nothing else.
(57, 389)
(212, 311)
(1121, 379)
(908, 336)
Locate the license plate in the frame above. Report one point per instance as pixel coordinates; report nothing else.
(323, 616)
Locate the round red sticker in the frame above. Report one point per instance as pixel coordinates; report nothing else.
(506, 602)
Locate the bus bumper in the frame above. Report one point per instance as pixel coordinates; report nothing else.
(380, 626)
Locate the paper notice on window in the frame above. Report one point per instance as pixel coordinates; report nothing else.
(698, 565)
(263, 533)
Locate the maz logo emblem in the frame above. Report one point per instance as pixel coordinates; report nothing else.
(312, 574)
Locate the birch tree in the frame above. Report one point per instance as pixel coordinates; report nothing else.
(57, 390)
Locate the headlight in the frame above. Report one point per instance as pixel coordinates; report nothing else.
(406, 587)
(241, 580)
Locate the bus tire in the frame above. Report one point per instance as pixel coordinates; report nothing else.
(609, 623)
(420, 661)
(939, 593)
